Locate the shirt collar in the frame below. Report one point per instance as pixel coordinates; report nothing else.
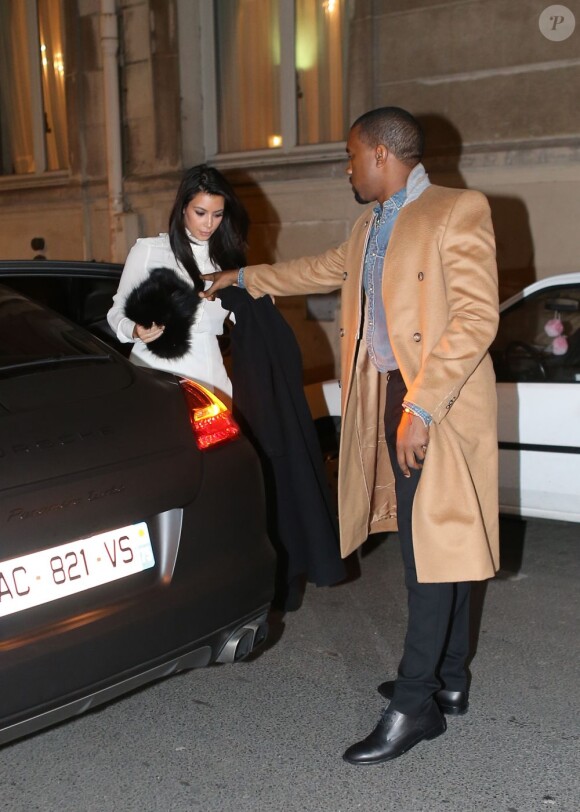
(417, 182)
(193, 241)
(392, 205)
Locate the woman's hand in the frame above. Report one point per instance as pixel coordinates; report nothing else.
(220, 280)
(148, 334)
(412, 442)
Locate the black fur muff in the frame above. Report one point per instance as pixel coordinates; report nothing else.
(165, 299)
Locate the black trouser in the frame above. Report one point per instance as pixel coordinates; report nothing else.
(437, 639)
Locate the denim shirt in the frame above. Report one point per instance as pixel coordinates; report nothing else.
(378, 344)
(377, 337)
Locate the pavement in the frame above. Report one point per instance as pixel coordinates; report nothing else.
(267, 735)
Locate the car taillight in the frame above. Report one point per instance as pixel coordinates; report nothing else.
(211, 420)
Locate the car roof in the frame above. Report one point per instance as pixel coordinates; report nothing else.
(48, 267)
(541, 284)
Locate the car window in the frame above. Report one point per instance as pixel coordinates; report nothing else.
(538, 339)
(29, 333)
(82, 299)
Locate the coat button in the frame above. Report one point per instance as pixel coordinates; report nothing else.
(420, 276)
(341, 333)
(416, 336)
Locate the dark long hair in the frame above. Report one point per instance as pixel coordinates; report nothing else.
(227, 245)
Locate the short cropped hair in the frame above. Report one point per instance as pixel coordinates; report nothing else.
(396, 129)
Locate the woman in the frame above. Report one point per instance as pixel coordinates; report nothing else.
(208, 227)
(207, 231)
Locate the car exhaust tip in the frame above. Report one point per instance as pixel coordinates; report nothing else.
(243, 641)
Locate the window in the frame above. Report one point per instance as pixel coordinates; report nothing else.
(33, 129)
(279, 78)
(538, 339)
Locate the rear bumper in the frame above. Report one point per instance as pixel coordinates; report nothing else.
(230, 644)
(211, 604)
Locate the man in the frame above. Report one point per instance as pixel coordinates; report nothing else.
(419, 311)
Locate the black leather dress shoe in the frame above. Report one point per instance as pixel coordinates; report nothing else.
(454, 703)
(394, 735)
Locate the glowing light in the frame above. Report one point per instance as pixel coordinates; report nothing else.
(274, 141)
(329, 6)
(211, 421)
(57, 64)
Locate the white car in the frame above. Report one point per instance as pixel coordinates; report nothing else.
(536, 356)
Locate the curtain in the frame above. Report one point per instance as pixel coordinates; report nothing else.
(17, 77)
(52, 58)
(320, 63)
(248, 65)
(17, 144)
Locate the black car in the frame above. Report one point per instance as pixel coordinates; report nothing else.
(133, 536)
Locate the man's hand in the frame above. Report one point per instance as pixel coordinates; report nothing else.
(220, 279)
(412, 442)
(148, 334)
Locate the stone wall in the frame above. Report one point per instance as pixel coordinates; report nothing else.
(499, 103)
(497, 98)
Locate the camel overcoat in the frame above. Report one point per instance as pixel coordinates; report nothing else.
(441, 302)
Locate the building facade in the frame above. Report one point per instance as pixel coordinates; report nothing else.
(105, 102)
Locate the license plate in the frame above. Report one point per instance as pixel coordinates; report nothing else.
(48, 575)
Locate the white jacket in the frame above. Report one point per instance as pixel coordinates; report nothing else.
(204, 361)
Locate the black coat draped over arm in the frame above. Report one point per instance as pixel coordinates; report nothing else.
(270, 405)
